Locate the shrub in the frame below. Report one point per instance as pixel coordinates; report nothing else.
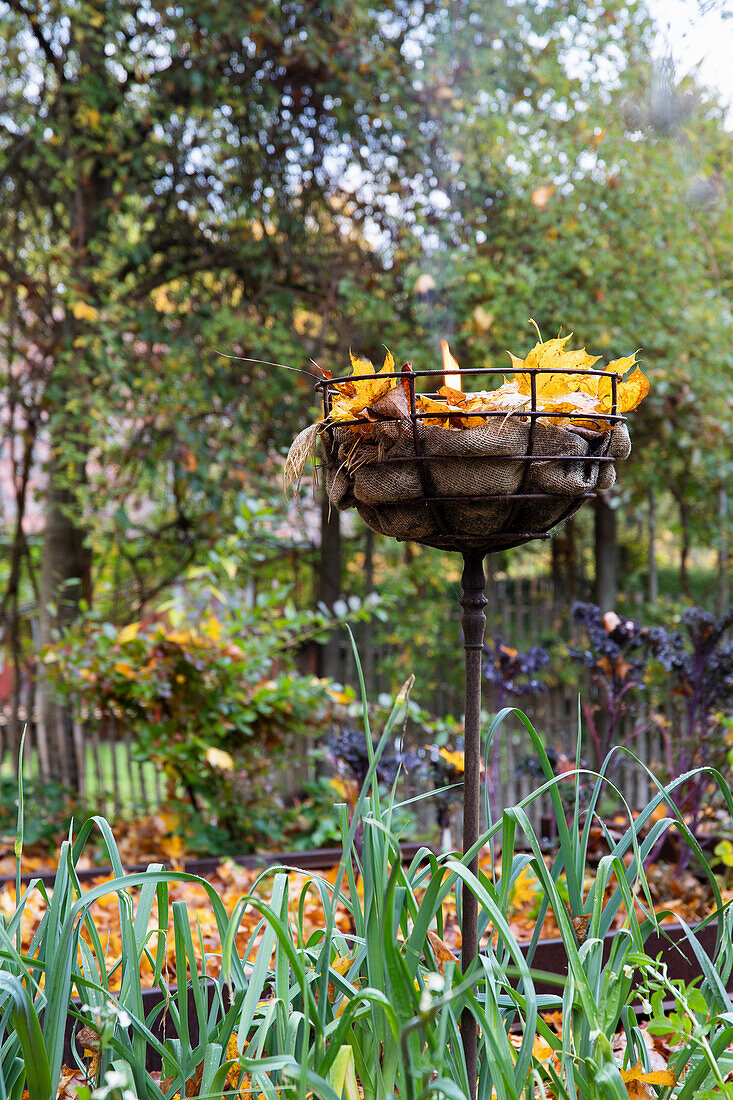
(212, 697)
(41, 830)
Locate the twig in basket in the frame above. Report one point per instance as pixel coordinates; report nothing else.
(269, 363)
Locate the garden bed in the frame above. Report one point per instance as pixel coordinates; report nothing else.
(673, 948)
(550, 957)
(260, 940)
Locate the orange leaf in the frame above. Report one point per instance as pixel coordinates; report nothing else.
(128, 633)
(638, 1082)
(443, 954)
(633, 391)
(542, 195)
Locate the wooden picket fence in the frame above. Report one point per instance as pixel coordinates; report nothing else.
(118, 784)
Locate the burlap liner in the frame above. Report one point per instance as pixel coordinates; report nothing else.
(374, 474)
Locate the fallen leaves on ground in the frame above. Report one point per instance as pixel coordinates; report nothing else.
(675, 895)
(639, 1083)
(230, 883)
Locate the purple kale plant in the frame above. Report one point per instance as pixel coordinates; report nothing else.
(698, 660)
(617, 657)
(349, 753)
(513, 672)
(348, 748)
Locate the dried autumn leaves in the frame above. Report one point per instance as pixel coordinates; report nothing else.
(565, 385)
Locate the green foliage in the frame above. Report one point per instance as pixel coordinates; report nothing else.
(422, 585)
(59, 805)
(212, 697)
(173, 189)
(592, 197)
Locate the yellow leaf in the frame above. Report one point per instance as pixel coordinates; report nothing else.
(453, 759)
(219, 759)
(233, 1053)
(579, 360)
(339, 696)
(546, 353)
(632, 392)
(620, 366)
(161, 300)
(179, 637)
(388, 365)
(346, 789)
(577, 405)
(212, 628)
(341, 964)
(541, 1049)
(82, 311)
(524, 890)
(565, 390)
(724, 851)
(355, 397)
(482, 319)
(638, 1083)
(360, 366)
(125, 670)
(341, 409)
(128, 633)
(542, 195)
(579, 395)
(172, 847)
(436, 408)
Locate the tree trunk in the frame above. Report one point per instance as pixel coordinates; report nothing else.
(606, 555)
(329, 584)
(684, 546)
(653, 576)
(723, 550)
(65, 581)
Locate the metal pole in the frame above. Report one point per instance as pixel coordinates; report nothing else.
(473, 601)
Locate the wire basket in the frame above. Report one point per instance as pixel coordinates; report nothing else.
(488, 487)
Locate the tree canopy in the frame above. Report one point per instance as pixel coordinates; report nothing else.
(268, 179)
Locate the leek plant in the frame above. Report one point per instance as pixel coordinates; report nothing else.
(374, 1010)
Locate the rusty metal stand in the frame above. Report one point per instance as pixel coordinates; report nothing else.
(473, 601)
(448, 534)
